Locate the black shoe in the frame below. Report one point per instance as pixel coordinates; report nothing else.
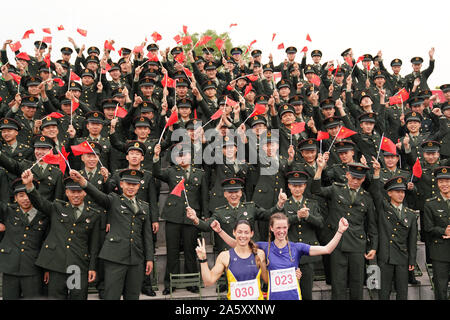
(412, 278)
(167, 291)
(193, 289)
(149, 292)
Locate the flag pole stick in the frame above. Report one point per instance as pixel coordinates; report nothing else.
(67, 161)
(164, 130)
(41, 158)
(381, 142)
(320, 146)
(98, 158)
(185, 195)
(329, 149)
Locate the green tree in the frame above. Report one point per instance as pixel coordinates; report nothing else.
(213, 34)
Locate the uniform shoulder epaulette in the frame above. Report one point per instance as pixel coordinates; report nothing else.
(221, 207)
(142, 201)
(312, 200)
(340, 184)
(250, 202)
(61, 202)
(96, 210)
(431, 199)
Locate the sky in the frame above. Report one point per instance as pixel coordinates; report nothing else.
(401, 29)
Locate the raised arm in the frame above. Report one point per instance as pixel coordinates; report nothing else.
(330, 246)
(210, 277)
(99, 197)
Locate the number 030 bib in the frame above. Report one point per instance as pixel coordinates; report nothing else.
(283, 280)
(244, 290)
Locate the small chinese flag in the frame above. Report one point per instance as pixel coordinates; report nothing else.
(55, 115)
(229, 88)
(417, 169)
(276, 76)
(75, 105)
(297, 127)
(273, 36)
(15, 77)
(345, 133)
(47, 60)
(120, 52)
(280, 46)
(233, 25)
(322, 135)
(231, 102)
(23, 56)
(27, 33)
(248, 88)
(81, 148)
(178, 188)
(188, 72)
(47, 39)
(82, 32)
(120, 112)
(259, 109)
(108, 46)
(203, 40)
(308, 38)
(180, 58)
(15, 46)
(74, 76)
(219, 43)
(59, 81)
(388, 145)
(217, 114)
(252, 77)
(305, 49)
(46, 30)
(156, 36)
(167, 82)
(399, 97)
(51, 158)
(177, 38)
(315, 80)
(63, 156)
(60, 28)
(361, 58)
(152, 57)
(185, 29)
(172, 119)
(138, 49)
(186, 40)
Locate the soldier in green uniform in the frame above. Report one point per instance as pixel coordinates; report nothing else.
(26, 117)
(21, 277)
(356, 205)
(178, 226)
(347, 152)
(395, 81)
(135, 151)
(397, 229)
(437, 224)
(129, 241)
(305, 221)
(418, 74)
(48, 176)
(443, 134)
(72, 243)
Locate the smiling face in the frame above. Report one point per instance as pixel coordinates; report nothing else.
(431, 157)
(90, 161)
(233, 197)
(9, 135)
(22, 200)
(309, 155)
(297, 190)
(396, 196)
(279, 227)
(346, 156)
(353, 182)
(50, 131)
(243, 234)
(444, 186)
(391, 161)
(129, 189)
(76, 197)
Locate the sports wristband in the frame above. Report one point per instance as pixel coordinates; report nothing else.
(202, 260)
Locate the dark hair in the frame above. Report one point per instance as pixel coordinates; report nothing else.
(253, 246)
(278, 216)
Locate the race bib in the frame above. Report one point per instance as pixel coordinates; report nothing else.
(244, 290)
(283, 280)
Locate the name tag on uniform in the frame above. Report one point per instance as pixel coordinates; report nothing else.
(283, 280)
(244, 290)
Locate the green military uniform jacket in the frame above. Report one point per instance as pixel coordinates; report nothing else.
(436, 219)
(362, 234)
(196, 188)
(129, 240)
(50, 180)
(304, 229)
(70, 241)
(22, 240)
